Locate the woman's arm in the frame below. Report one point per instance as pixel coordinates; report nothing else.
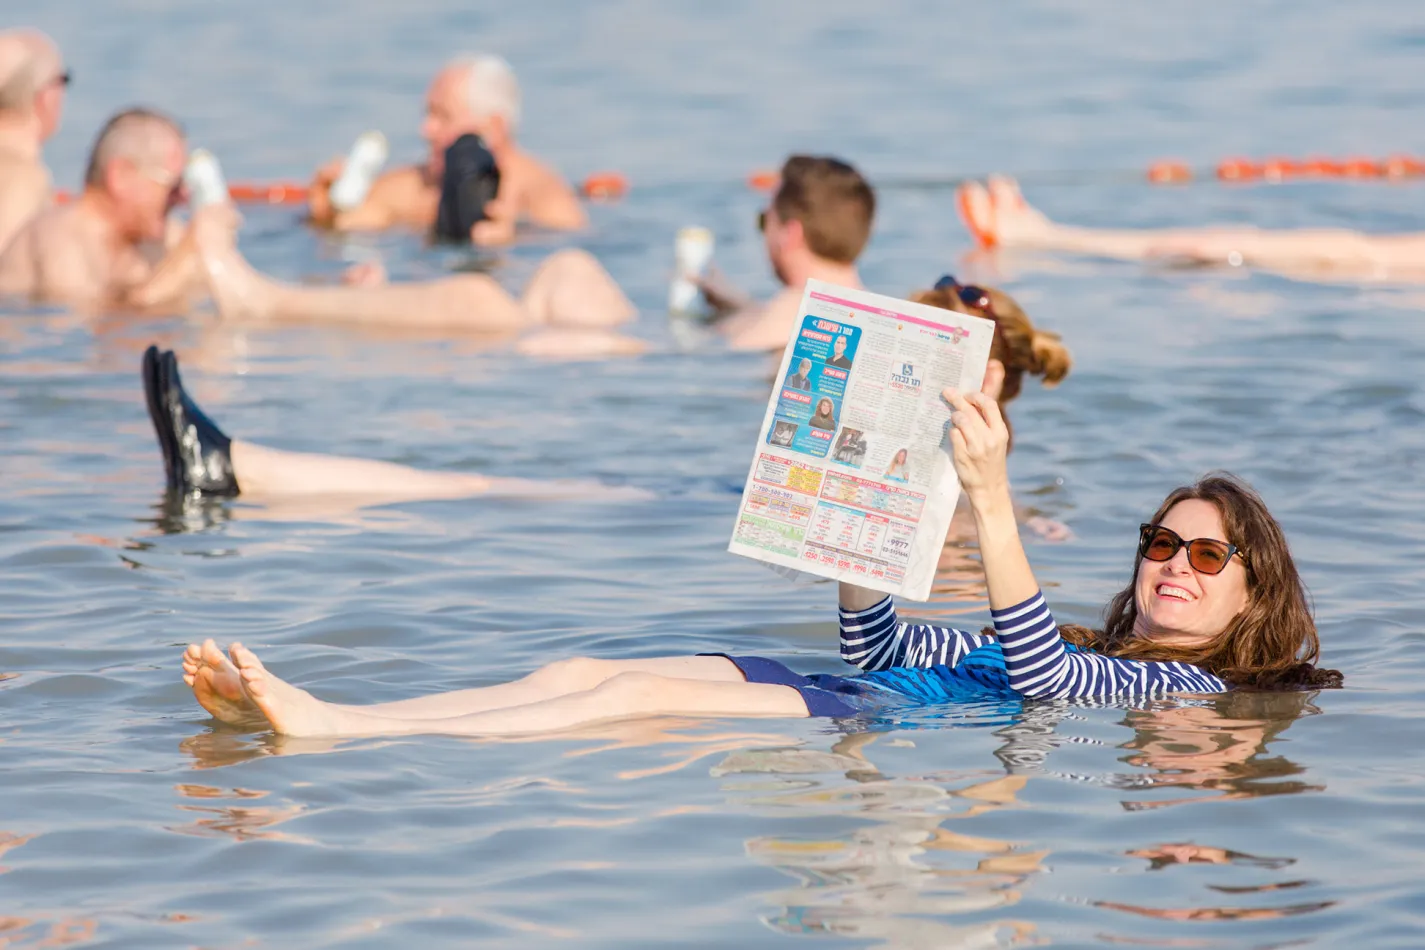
(1039, 664)
(1035, 656)
(873, 638)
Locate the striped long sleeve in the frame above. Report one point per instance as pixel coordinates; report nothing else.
(1039, 665)
(875, 639)
(1036, 658)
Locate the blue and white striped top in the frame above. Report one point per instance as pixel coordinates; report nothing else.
(1037, 660)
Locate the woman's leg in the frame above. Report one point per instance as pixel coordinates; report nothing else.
(263, 471)
(471, 302)
(629, 693)
(572, 289)
(199, 457)
(217, 685)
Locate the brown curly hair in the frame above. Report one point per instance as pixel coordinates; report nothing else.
(1272, 644)
(1018, 344)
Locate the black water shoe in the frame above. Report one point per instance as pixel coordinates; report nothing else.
(196, 453)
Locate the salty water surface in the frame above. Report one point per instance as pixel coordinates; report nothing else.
(130, 820)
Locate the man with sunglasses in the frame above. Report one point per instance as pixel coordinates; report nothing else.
(816, 225)
(110, 247)
(32, 84)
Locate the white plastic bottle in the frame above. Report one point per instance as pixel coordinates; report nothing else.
(203, 177)
(367, 158)
(692, 251)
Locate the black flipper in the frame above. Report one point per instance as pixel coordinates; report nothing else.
(470, 182)
(196, 453)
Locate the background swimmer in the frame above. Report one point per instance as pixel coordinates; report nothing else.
(570, 290)
(33, 81)
(815, 226)
(997, 215)
(200, 459)
(111, 246)
(476, 94)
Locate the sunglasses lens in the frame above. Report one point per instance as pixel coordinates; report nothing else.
(1209, 557)
(762, 221)
(946, 283)
(972, 296)
(1160, 544)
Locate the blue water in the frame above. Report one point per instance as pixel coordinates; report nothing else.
(129, 820)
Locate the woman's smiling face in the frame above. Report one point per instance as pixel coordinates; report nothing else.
(1179, 605)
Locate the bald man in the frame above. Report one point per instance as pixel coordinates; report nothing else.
(107, 247)
(32, 84)
(471, 95)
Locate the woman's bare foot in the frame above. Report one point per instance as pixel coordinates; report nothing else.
(288, 710)
(977, 212)
(217, 685)
(239, 291)
(997, 215)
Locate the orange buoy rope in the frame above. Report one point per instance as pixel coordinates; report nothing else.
(1284, 169)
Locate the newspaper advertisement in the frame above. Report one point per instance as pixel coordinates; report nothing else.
(852, 478)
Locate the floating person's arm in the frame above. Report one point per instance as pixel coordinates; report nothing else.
(501, 218)
(724, 298)
(398, 196)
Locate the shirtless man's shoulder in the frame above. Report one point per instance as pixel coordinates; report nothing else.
(544, 197)
(407, 195)
(765, 326)
(58, 255)
(25, 190)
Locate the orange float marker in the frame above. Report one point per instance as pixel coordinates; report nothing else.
(1403, 166)
(284, 194)
(1238, 169)
(242, 191)
(763, 180)
(1280, 169)
(1360, 168)
(604, 185)
(1322, 167)
(1169, 173)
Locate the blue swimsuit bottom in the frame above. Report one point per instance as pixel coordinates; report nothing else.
(981, 675)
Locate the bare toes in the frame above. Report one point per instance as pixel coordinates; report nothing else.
(977, 212)
(213, 656)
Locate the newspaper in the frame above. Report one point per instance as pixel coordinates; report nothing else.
(852, 478)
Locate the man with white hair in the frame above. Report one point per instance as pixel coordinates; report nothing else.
(32, 84)
(107, 248)
(475, 95)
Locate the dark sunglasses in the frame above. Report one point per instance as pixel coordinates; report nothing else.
(1205, 555)
(64, 78)
(762, 221)
(969, 294)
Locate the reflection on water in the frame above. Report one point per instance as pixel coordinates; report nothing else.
(901, 876)
(882, 880)
(1220, 747)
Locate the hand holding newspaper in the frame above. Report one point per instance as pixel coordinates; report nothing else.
(853, 478)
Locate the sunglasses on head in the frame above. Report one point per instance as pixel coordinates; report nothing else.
(969, 294)
(1205, 555)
